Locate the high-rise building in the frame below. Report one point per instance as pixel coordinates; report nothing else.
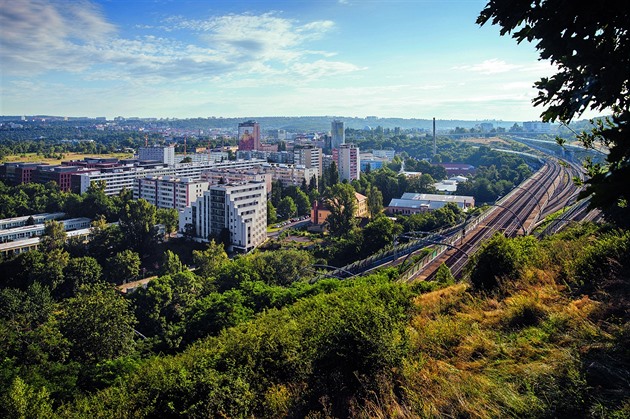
(162, 154)
(249, 135)
(309, 156)
(348, 161)
(237, 211)
(338, 134)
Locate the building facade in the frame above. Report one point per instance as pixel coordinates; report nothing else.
(414, 203)
(164, 155)
(123, 177)
(348, 161)
(309, 156)
(249, 135)
(338, 134)
(291, 174)
(168, 191)
(237, 211)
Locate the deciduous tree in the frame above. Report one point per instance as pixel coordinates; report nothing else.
(590, 46)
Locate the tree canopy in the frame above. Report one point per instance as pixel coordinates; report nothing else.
(590, 46)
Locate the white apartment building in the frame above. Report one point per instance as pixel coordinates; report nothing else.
(222, 176)
(168, 191)
(203, 157)
(13, 222)
(239, 210)
(164, 155)
(308, 156)
(123, 177)
(27, 232)
(291, 174)
(348, 161)
(387, 153)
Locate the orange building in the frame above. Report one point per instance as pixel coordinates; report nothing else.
(319, 211)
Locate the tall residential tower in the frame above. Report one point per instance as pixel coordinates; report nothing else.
(338, 134)
(249, 135)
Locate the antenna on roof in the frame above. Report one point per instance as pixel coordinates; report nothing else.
(185, 146)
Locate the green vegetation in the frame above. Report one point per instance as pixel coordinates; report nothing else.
(248, 339)
(586, 45)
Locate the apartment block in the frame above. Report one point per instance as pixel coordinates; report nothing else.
(308, 156)
(164, 155)
(238, 211)
(348, 161)
(169, 191)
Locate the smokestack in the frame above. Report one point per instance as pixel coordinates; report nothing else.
(434, 141)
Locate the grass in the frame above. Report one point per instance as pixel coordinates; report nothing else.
(523, 352)
(38, 158)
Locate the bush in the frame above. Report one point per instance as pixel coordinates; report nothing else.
(499, 258)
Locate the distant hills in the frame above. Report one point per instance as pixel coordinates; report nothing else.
(300, 123)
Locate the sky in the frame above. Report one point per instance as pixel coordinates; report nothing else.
(239, 58)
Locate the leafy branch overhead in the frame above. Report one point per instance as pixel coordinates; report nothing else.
(590, 46)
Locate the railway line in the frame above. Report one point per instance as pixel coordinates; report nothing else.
(550, 189)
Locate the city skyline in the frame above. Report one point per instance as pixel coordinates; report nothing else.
(186, 59)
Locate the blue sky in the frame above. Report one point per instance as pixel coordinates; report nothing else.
(163, 58)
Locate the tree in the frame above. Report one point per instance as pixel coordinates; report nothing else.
(379, 233)
(123, 266)
(342, 203)
(374, 201)
(286, 208)
(171, 264)
(590, 46)
(276, 192)
(333, 174)
(81, 271)
(25, 401)
(99, 324)
(54, 236)
(302, 203)
(209, 261)
(169, 218)
(137, 223)
(312, 184)
(281, 267)
(498, 259)
(443, 275)
(272, 216)
(105, 239)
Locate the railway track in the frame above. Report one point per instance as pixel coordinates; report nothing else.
(550, 189)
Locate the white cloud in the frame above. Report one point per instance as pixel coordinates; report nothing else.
(493, 66)
(39, 35)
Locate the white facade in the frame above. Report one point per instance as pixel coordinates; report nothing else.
(37, 219)
(348, 161)
(203, 157)
(219, 176)
(308, 156)
(169, 192)
(291, 174)
(164, 155)
(123, 177)
(384, 154)
(27, 232)
(239, 210)
(413, 203)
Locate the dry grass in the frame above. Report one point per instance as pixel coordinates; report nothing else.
(512, 355)
(37, 158)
